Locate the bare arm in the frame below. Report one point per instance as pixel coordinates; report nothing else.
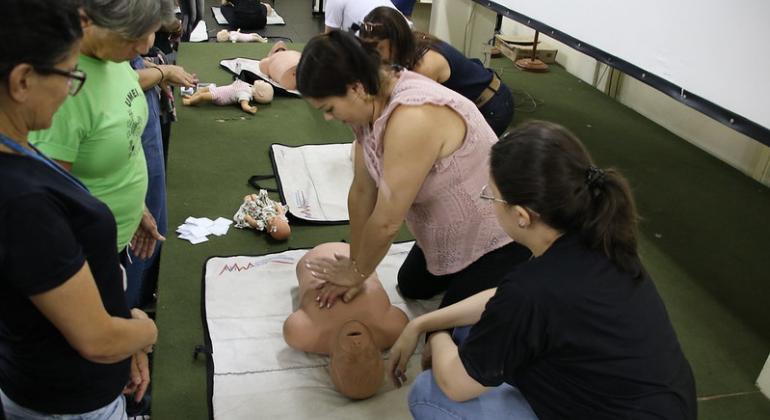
(434, 66)
(361, 199)
(449, 371)
(149, 77)
(410, 151)
(415, 138)
(465, 312)
(75, 308)
(155, 74)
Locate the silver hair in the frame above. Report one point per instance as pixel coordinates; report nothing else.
(130, 18)
(167, 8)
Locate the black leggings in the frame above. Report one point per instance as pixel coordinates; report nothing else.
(416, 282)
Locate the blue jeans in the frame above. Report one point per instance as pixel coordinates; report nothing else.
(498, 111)
(115, 410)
(139, 291)
(428, 402)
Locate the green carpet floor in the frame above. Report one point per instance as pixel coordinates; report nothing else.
(702, 237)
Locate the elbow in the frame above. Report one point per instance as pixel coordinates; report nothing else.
(454, 382)
(390, 227)
(447, 386)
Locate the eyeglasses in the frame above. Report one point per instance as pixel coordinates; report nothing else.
(75, 78)
(486, 195)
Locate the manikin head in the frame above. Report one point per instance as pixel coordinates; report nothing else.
(355, 363)
(223, 35)
(262, 92)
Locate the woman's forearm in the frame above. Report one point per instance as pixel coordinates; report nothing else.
(149, 77)
(465, 312)
(376, 236)
(122, 338)
(360, 206)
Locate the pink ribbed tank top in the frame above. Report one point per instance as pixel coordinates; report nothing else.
(232, 93)
(452, 225)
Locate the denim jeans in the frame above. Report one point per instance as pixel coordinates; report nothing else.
(115, 410)
(498, 111)
(428, 402)
(139, 291)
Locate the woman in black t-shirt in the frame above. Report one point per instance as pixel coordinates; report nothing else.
(579, 331)
(68, 342)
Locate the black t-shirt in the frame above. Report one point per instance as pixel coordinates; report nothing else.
(50, 227)
(581, 339)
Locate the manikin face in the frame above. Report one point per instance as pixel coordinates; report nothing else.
(351, 109)
(355, 365)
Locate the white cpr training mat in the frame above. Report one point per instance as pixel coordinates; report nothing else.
(255, 374)
(314, 180)
(272, 19)
(236, 65)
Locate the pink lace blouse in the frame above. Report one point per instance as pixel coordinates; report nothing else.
(452, 225)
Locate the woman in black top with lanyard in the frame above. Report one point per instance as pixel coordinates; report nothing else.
(579, 331)
(68, 342)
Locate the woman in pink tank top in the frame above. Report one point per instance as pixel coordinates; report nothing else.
(421, 156)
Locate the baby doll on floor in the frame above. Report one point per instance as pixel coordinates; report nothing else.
(236, 36)
(237, 92)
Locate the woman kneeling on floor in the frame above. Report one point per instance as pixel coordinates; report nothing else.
(577, 332)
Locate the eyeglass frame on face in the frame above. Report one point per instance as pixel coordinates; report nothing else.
(71, 75)
(485, 195)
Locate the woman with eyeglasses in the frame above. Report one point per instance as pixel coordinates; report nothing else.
(68, 343)
(579, 331)
(388, 31)
(97, 134)
(421, 156)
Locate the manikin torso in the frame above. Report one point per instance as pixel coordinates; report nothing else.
(313, 329)
(281, 65)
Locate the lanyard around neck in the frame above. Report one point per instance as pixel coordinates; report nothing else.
(35, 154)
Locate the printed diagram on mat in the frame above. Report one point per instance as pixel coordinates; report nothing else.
(315, 180)
(236, 267)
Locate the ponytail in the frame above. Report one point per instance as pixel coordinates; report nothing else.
(332, 62)
(611, 222)
(544, 167)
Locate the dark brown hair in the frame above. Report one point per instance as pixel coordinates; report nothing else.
(37, 32)
(544, 167)
(407, 47)
(331, 62)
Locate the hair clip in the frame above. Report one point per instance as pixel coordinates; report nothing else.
(594, 177)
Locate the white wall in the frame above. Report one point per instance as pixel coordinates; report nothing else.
(734, 148)
(466, 25)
